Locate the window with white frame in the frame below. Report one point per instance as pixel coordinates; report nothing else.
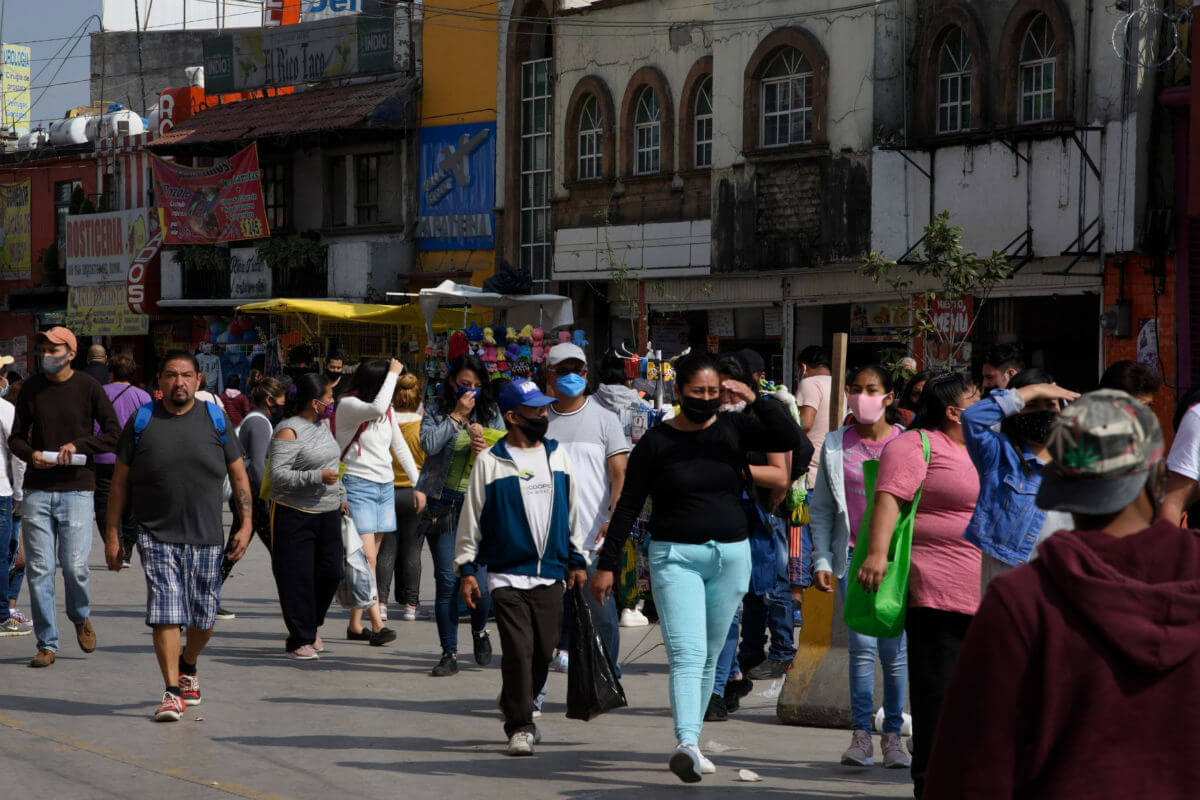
(703, 125)
(647, 134)
(1037, 72)
(590, 133)
(787, 100)
(535, 169)
(954, 83)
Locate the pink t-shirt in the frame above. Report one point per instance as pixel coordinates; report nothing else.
(856, 451)
(945, 566)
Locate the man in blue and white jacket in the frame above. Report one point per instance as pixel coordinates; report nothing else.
(521, 521)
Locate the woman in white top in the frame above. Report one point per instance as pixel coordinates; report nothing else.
(368, 435)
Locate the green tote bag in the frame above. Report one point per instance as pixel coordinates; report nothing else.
(882, 614)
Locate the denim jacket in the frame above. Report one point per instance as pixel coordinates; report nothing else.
(827, 517)
(1006, 521)
(438, 435)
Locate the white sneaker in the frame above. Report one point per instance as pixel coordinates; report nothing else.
(383, 611)
(685, 763)
(706, 766)
(521, 744)
(559, 662)
(632, 618)
(11, 627)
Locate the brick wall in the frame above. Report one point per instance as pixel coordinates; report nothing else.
(1140, 288)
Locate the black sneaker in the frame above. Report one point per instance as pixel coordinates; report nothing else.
(381, 637)
(716, 709)
(483, 647)
(362, 636)
(769, 670)
(446, 667)
(224, 614)
(735, 690)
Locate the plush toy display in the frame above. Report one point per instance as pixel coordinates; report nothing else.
(475, 340)
(539, 350)
(458, 345)
(564, 337)
(580, 339)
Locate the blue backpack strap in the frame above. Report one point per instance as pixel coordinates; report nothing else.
(218, 418)
(141, 419)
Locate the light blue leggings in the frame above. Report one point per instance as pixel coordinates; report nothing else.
(697, 588)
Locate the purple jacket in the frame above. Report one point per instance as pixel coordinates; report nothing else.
(126, 399)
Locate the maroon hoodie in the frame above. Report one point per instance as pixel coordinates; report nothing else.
(1080, 676)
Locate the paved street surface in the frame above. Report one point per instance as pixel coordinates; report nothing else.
(362, 722)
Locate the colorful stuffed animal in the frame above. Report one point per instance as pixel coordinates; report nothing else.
(539, 350)
(580, 339)
(526, 335)
(475, 339)
(513, 350)
(564, 337)
(458, 345)
(511, 336)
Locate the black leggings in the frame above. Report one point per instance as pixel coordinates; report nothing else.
(306, 557)
(400, 553)
(934, 639)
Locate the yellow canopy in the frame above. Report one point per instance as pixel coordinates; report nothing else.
(408, 314)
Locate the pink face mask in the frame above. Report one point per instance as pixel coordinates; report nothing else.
(867, 408)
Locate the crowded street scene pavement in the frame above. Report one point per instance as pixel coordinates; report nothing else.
(364, 721)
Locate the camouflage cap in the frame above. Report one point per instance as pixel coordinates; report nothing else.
(1103, 447)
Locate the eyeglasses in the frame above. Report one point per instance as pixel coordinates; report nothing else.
(563, 369)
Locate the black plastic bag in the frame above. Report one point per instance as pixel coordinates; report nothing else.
(592, 685)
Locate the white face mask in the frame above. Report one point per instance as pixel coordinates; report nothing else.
(735, 408)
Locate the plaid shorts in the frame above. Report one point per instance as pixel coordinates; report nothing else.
(183, 582)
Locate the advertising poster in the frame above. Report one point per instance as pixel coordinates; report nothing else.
(877, 323)
(103, 311)
(255, 58)
(458, 187)
(14, 231)
(14, 82)
(100, 247)
(951, 318)
(221, 203)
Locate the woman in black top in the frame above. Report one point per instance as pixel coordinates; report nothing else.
(692, 468)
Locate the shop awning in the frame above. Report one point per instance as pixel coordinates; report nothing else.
(543, 310)
(372, 313)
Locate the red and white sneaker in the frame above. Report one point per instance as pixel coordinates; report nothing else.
(171, 710)
(189, 689)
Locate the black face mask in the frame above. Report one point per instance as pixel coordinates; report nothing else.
(1034, 426)
(699, 411)
(333, 377)
(534, 428)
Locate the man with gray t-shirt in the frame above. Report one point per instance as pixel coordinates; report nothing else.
(595, 440)
(174, 455)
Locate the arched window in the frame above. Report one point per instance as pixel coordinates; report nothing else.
(590, 136)
(954, 83)
(703, 122)
(647, 134)
(787, 100)
(1036, 72)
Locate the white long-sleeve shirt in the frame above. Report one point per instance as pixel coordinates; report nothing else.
(370, 456)
(13, 474)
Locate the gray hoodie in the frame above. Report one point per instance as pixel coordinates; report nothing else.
(620, 400)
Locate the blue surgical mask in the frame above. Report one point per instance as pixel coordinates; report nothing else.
(463, 391)
(572, 384)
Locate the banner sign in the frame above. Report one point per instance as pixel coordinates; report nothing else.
(280, 12)
(293, 54)
(458, 187)
(951, 318)
(879, 323)
(103, 311)
(250, 277)
(14, 231)
(143, 282)
(14, 82)
(206, 205)
(100, 247)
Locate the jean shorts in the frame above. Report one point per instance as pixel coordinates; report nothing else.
(372, 505)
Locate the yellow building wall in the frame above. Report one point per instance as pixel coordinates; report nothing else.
(459, 86)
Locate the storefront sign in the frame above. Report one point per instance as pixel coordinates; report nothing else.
(103, 311)
(221, 203)
(285, 56)
(100, 247)
(872, 323)
(18, 348)
(951, 319)
(14, 231)
(14, 82)
(280, 12)
(772, 322)
(720, 322)
(458, 187)
(250, 278)
(143, 282)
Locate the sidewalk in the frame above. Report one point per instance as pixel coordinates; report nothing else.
(362, 722)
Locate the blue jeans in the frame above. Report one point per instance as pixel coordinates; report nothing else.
(893, 654)
(57, 527)
(728, 652)
(441, 532)
(16, 575)
(762, 613)
(697, 588)
(7, 535)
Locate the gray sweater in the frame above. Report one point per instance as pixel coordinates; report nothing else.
(295, 467)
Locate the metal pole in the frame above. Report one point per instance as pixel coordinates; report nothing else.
(137, 22)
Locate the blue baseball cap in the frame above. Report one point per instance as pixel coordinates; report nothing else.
(522, 393)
